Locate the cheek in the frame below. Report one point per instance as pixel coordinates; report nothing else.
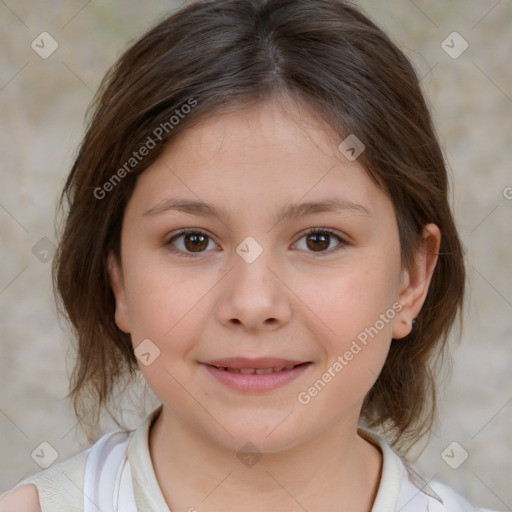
(356, 296)
(360, 316)
(166, 303)
(166, 308)
(359, 307)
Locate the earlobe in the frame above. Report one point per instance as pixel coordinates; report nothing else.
(416, 281)
(117, 284)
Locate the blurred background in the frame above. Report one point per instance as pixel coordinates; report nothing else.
(53, 56)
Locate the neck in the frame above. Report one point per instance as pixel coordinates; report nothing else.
(194, 471)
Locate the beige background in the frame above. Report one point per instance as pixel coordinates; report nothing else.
(42, 104)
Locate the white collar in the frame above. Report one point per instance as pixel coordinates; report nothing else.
(400, 487)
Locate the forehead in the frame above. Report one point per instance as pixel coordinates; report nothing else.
(270, 114)
(255, 159)
(290, 125)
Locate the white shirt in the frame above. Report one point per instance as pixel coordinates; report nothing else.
(116, 475)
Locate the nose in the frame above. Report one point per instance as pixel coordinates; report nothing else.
(253, 296)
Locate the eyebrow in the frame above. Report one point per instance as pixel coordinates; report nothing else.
(291, 211)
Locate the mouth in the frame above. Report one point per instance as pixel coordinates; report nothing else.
(260, 365)
(264, 374)
(257, 371)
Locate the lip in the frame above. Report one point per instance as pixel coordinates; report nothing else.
(254, 382)
(260, 363)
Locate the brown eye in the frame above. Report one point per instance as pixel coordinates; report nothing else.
(190, 241)
(195, 242)
(318, 240)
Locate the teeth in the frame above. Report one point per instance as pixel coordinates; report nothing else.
(257, 371)
(263, 371)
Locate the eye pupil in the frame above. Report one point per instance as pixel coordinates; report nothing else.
(324, 241)
(197, 241)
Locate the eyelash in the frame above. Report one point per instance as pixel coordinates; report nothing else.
(311, 231)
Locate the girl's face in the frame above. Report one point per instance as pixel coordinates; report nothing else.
(250, 283)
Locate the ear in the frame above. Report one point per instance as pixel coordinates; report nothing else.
(416, 281)
(117, 284)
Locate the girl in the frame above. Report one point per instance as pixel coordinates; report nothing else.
(258, 222)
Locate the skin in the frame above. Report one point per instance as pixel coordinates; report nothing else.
(294, 301)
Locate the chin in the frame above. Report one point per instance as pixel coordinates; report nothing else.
(269, 435)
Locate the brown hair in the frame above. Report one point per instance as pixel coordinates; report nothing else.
(224, 55)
